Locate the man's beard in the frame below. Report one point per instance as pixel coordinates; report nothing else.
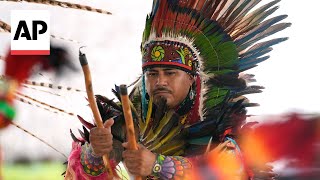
(158, 99)
(160, 109)
(160, 102)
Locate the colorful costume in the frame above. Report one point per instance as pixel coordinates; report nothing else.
(215, 41)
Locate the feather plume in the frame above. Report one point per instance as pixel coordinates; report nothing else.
(252, 62)
(257, 16)
(171, 147)
(50, 85)
(86, 134)
(40, 90)
(65, 39)
(82, 135)
(46, 106)
(43, 141)
(75, 139)
(110, 102)
(247, 57)
(5, 27)
(260, 28)
(64, 5)
(270, 31)
(237, 15)
(159, 112)
(172, 134)
(85, 123)
(249, 90)
(301, 146)
(266, 44)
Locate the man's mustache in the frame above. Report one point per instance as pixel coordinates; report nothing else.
(161, 89)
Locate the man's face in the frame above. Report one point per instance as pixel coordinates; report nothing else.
(169, 83)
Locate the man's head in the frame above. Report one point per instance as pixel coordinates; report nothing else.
(169, 83)
(169, 68)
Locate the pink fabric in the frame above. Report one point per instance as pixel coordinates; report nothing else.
(75, 170)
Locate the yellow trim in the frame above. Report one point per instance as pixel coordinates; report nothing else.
(144, 128)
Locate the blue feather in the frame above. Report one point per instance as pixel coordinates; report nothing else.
(253, 62)
(266, 44)
(245, 57)
(272, 30)
(246, 10)
(259, 18)
(244, 69)
(260, 28)
(236, 13)
(155, 7)
(248, 90)
(251, 16)
(200, 141)
(198, 129)
(143, 99)
(231, 8)
(253, 22)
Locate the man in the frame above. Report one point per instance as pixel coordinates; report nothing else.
(190, 96)
(169, 84)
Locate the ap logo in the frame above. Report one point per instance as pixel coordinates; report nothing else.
(30, 32)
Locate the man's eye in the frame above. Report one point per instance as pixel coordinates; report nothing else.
(152, 74)
(171, 73)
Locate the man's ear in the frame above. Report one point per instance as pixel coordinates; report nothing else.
(191, 78)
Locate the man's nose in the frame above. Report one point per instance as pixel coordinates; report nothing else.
(162, 80)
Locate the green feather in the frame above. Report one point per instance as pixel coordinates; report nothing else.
(200, 141)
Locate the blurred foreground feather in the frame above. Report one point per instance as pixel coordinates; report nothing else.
(19, 67)
(64, 5)
(294, 138)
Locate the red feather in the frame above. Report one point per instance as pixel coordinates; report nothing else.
(19, 67)
(295, 138)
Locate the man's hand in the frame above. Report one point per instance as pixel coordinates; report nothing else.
(101, 139)
(139, 162)
(221, 148)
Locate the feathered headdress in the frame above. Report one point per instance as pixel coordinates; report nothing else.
(214, 40)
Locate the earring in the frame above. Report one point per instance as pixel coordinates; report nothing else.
(191, 93)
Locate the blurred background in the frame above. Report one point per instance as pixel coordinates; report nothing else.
(113, 51)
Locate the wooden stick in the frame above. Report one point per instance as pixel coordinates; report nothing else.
(93, 105)
(131, 137)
